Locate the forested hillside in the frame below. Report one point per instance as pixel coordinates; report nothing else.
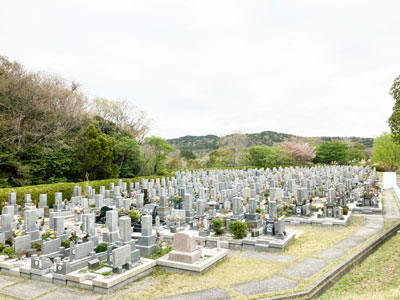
(50, 132)
(209, 143)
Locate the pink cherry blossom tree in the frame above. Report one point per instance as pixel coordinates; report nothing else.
(300, 153)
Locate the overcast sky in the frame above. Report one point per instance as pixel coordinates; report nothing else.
(310, 68)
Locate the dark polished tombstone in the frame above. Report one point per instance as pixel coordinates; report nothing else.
(101, 218)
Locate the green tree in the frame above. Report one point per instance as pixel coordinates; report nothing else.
(94, 155)
(219, 158)
(265, 156)
(329, 152)
(261, 156)
(394, 120)
(157, 150)
(128, 156)
(187, 154)
(194, 164)
(356, 154)
(386, 152)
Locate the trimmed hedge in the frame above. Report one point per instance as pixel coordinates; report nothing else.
(66, 188)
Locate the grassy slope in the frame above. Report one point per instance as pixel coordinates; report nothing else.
(378, 277)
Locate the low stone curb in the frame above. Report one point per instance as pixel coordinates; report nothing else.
(334, 275)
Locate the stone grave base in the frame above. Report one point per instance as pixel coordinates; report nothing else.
(106, 284)
(314, 220)
(84, 280)
(366, 209)
(270, 243)
(198, 267)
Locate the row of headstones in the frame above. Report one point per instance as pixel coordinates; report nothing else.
(287, 181)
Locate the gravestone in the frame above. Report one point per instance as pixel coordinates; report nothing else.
(22, 243)
(98, 201)
(112, 226)
(163, 209)
(139, 201)
(253, 218)
(121, 258)
(30, 220)
(188, 205)
(125, 229)
(58, 224)
(52, 246)
(88, 224)
(185, 248)
(127, 204)
(146, 242)
(43, 200)
(237, 209)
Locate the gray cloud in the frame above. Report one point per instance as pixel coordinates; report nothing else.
(214, 67)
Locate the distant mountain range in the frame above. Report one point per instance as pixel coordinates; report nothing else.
(208, 143)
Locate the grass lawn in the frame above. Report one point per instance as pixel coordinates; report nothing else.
(235, 268)
(378, 277)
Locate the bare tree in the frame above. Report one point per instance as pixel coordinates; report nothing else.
(124, 114)
(36, 107)
(235, 143)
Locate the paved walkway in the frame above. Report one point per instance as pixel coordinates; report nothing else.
(287, 279)
(391, 210)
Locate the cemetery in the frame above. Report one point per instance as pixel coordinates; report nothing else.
(101, 240)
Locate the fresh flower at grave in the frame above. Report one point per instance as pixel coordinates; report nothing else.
(133, 193)
(85, 238)
(65, 200)
(73, 237)
(123, 194)
(97, 212)
(49, 234)
(78, 210)
(16, 232)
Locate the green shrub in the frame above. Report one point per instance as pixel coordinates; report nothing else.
(345, 210)
(1, 246)
(9, 251)
(65, 243)
(66, 188)
(134, 215)
(37, 246)
(9, 241)
(224, 211)
(217, 226)
(238, 229)
(258, 210)
(101, 248)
